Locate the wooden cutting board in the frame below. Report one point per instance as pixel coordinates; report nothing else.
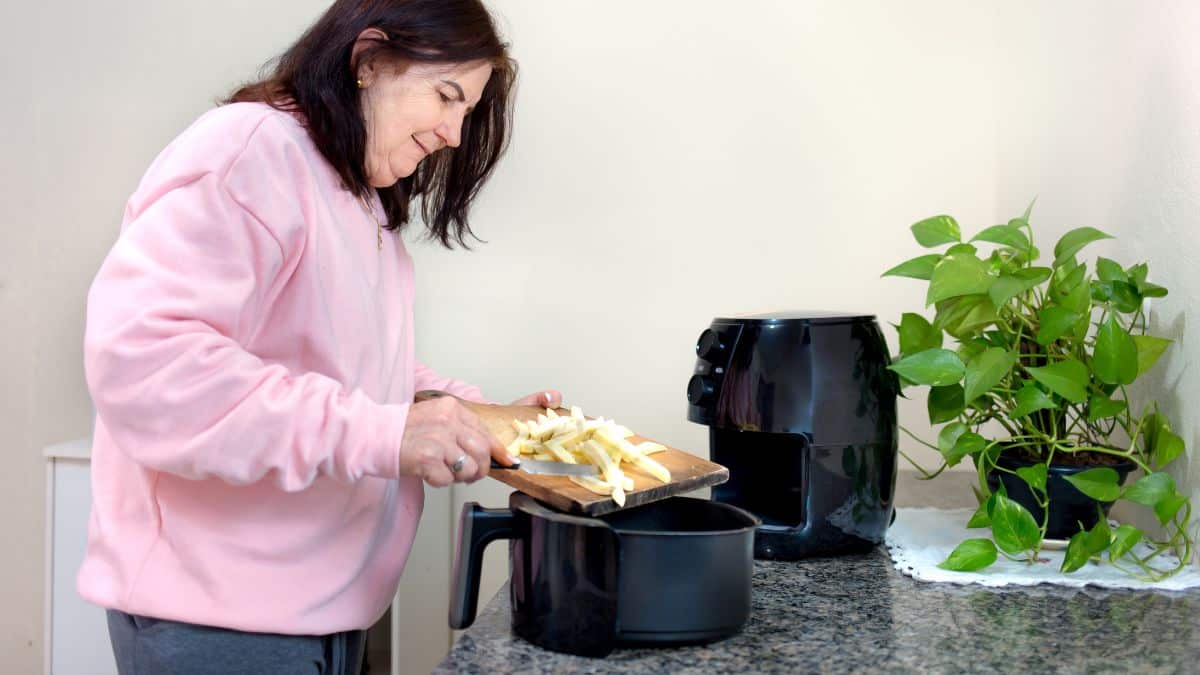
(688, 472)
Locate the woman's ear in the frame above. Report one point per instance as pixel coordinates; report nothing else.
(367, 39)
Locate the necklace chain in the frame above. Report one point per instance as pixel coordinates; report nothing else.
(378, 225)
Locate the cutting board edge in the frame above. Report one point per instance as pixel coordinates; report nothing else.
(604, 506)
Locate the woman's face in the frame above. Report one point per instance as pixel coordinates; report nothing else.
(413, 112)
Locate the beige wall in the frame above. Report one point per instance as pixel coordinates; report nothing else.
(1099, 117)
(672, 161)
(93, 90)
(676, 161)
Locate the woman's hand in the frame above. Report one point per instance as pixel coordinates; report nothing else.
(550, 398)
(440, 432)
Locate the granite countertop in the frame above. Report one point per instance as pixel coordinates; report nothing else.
(858, 614)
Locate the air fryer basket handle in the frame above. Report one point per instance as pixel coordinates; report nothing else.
(477, 527)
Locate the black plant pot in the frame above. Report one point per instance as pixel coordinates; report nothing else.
(1069, 508)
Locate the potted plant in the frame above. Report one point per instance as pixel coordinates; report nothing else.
(1027, 365)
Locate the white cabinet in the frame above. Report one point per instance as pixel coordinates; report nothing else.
(76, 631)
(414, 634)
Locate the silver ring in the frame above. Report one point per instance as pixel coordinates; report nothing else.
(458, 464)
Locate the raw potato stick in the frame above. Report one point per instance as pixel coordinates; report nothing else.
(575, 439)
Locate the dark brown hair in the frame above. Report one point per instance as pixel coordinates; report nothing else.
(315, 77)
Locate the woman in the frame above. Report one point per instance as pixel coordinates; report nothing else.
(257, 460)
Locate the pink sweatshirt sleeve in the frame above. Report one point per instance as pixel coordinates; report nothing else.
(173, 303)
(426, 378)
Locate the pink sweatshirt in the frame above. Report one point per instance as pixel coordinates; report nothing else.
(249, 352)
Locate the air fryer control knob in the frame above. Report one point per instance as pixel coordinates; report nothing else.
(700, 390)
(710, 345)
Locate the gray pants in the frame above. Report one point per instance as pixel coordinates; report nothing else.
(145, 646)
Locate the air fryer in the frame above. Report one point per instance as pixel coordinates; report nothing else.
(802, 410)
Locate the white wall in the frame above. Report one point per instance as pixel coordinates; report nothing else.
(672, 161)
(93, 91)
(1098, 115)
(678, 161)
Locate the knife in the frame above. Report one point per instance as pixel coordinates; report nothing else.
(538, 467)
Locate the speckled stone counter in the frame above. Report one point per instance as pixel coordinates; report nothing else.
(857, 614)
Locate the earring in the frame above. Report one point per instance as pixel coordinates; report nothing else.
(360, 83)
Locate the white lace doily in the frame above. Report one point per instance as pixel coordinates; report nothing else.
(923, 537)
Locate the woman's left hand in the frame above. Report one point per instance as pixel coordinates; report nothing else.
(550, 398)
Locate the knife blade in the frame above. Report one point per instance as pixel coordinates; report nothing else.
(538, 467)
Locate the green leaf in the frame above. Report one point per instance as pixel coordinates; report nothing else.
(995, 338)
(935, 367)
(1102, 407)
(980, 518)
(917, 335)
(1009, 286)
(1034, 475)
(1167, 507)
(966, 444)
(1115, 357)
(962, 249)
(1167, 446)
(945, 403)
(1149, 348)
(1125, 298)
(949, 437)
(1138, 273)
(1099, 537)
(1005, 235)
(1100, 483)
(1068, 288)
(1109, 270)
(1151, 489)
(1073, 241)
(1013, 526)
(1123, 540)
(986, 371)
(1053, 323)
(958, 275)
(1067, 378)
(1068, 277)
(1029, 210)
(1081, 330)
(969, 350)
(962, 317)
(1077, 555)
(1084, 545)
(1030, 399)
(920, 267)
(971, 555)
(1153, 427)
(936, 231)
(1036, 274)
(1077, 300)
(1152, 290)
